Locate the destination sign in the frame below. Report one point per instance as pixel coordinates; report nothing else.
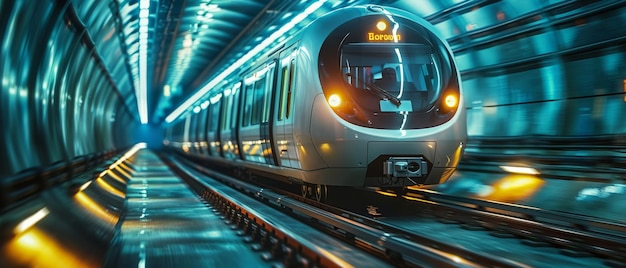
(382, 37)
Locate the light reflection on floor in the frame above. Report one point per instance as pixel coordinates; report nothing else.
(33, 248)
(512, 188)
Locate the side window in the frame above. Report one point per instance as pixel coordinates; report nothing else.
(205, 124)
(192, 127)
(235, 109)
(292, 68)
(214, 113)
(283, 92)
(247, 104)
(202, 125)
(267, 95)
(226, 116)
(257, 105)
(258, 88)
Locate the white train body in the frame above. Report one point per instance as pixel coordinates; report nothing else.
(315, 110)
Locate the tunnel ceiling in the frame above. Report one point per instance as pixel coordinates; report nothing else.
(186, 39)
(189, 39)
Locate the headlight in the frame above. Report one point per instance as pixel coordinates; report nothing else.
(451, 101)
(334, 100)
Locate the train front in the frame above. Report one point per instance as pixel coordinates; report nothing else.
(392, 90)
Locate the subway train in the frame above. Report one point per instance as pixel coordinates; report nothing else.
(364, 96)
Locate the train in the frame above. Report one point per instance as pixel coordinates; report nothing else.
(364, 96)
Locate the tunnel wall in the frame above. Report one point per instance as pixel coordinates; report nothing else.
(538, 68)
(58, 99)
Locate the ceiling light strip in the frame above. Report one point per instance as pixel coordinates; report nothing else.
(142, 90)
(200, 93)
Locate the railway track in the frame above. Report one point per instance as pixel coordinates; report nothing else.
(519, 233)
(559, 238)
(574, 235)
(396, 246)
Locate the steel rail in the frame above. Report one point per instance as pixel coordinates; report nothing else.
(576, 233)
(395, 243)
(259, 222)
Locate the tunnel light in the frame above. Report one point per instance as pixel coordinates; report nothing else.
(205, 104)
(520, 170)
(216, 98)
(31, 220)
(244, 59)
(86, 184)
(141, 90)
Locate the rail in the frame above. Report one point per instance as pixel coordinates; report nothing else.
(575, 233)
(398, 246)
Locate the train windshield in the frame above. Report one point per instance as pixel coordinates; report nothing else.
(389, 73)
(401, 76)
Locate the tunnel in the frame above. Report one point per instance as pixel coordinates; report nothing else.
(122, 120)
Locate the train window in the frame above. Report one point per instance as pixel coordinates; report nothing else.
(193, 128)
(258, 98)
(228, 100)
(205, 125)
(283, 92)
(396, 69)
(235, 105)
(247, 105)
(267, 93)
(258, 102)
(214, 114)
(290, 88)
(186, 132)
(201, 129)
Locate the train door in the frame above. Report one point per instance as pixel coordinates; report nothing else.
(284, 142)
(213, 124)
(254, 132)
(229, 114)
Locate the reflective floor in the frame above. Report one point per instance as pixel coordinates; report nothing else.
(602, 199)
(166, 225)
(157, 222)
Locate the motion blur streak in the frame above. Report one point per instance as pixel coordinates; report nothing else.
(386, 193)
(32, 220)
(36, 249)
(94, 208)
(114, 176)
(107, 187)
(514, 188)
(520, 170)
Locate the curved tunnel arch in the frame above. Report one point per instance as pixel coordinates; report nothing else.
(55, 91)
(532, 68)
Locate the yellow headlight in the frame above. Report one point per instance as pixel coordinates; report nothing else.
(334, 100)
(451, 100)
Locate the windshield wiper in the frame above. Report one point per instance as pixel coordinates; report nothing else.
(384, 93)
(379, 91)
